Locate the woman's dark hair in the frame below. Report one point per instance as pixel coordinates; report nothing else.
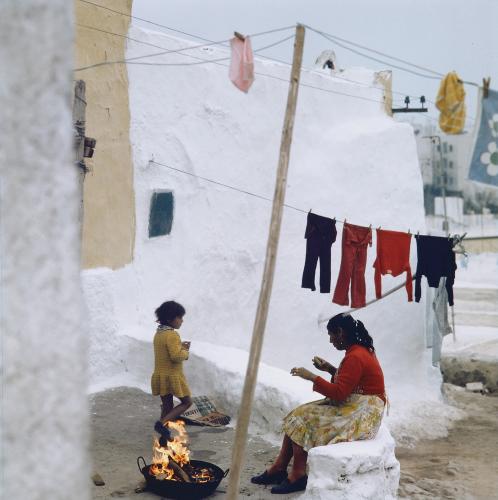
(168, 311)
(355, 330)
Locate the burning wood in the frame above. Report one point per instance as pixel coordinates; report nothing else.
(172, 462)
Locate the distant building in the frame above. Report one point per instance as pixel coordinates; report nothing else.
(444, 163)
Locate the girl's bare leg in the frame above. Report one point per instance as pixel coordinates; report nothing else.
(299, 464)
(174, 413)
(166, 405)
(284, 456)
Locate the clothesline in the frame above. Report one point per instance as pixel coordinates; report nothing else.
(286, 205)
(328, 36)
(325, 317)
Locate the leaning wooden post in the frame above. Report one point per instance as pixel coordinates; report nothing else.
(79, 124)
(239, 444)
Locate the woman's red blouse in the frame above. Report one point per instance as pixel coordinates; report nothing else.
(358, 373)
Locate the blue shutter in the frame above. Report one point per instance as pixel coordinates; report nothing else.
(161, 214)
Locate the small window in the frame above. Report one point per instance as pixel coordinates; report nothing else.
(451, 164)
(161, 214)
(451, 148)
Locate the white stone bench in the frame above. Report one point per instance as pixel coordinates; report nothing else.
(356, 470)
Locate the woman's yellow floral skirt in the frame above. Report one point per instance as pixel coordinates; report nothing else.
(326, 422)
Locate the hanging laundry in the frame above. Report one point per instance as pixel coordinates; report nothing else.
(437, 319)
(242, 63)
(393, 257)
(355, 240)
(484, 164)
(320, 234)
(450, 101)
(435, 259)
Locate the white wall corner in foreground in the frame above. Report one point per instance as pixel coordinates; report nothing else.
(43, 336)
(354, 471)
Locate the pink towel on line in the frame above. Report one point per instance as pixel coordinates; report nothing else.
(241, 64)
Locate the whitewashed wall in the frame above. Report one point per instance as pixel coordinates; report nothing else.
(348, 159)
(44, 412)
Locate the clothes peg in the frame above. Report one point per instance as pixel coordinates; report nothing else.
(333, 219)
(378, 228)
(239, 36)
(309, 211)
(485, 87)
(344, 220)
(409, 231)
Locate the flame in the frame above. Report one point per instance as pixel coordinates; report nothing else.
(177, 449)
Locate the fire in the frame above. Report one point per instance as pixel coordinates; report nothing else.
(177, 449)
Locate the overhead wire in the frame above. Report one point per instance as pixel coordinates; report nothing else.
(233, 188)
(337, 40)
(217, 61)
(133, 60)
(206, 61)
(210, 42)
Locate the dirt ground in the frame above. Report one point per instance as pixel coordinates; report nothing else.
(462, 466)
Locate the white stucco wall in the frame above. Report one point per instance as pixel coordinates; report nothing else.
(44, 412)
(348, 159)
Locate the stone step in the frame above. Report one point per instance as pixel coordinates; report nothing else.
(476, 295)
(476, 319)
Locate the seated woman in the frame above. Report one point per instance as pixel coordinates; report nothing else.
(352, 409)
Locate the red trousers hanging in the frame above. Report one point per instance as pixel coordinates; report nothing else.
(355, 240)
(393, 257)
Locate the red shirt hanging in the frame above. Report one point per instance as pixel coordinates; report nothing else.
(393, 257)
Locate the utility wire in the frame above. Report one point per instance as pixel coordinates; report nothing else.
(217, 62)
(332, 38)
(337, 41)
(205, 61)
(167, 51)
(223, 43)
(233, 188)
(133, 60)
(375, 51)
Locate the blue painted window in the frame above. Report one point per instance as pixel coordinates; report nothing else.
(161, 214)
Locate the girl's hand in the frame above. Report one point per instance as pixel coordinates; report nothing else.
(303, 373)
(186, 345)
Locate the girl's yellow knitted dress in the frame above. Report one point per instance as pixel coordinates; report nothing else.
(169, 355)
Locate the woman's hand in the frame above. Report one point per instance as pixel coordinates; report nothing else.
(303, 373)
(323, 365)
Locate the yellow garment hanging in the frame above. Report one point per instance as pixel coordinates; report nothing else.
(451, 102)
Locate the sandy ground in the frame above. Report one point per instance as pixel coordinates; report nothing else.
(462, 466)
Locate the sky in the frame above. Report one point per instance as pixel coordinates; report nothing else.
(442, 35)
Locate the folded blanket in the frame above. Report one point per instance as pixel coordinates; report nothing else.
(203, 412)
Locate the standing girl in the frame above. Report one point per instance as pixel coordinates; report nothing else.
(168, 379)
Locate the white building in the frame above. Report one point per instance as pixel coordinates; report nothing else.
(43, 336)
(349, 159)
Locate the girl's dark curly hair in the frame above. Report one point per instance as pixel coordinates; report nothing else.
(355, 330)
(168, 311)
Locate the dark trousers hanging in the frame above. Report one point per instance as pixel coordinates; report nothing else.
(320, 234)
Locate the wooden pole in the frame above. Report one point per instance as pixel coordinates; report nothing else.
(79, 117)
(239, 444)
